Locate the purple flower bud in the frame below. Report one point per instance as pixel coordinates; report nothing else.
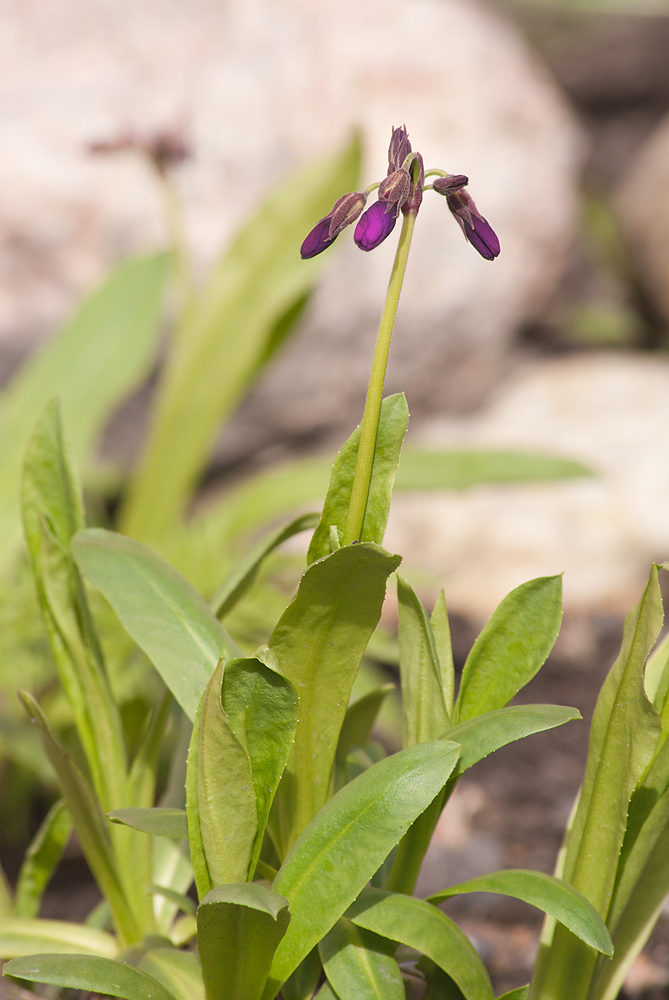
(394, 189)
(417, 174)
(450, 183)
(375, 225)
(344, 211)
(399, 149)
(477, 230)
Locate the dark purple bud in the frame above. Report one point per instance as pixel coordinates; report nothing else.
(477, 230)
(450, 183)
(395, 188)
(399, 149)
(375, 225)
(417, 174)
(344, 211)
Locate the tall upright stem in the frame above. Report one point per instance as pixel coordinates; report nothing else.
(370, 419)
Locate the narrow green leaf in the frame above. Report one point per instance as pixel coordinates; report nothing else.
(550, 894)
(624, 737)
(326, 992)
(41, 859)
(417, 924)
(359, 720)
(427, 469)
(261, 708)
(159, 609)
(522, 993)
(657, 676)
(425, 714)
(243, 575)
(159, 822)
(171, 868)
(89, 823)
(360, 965)
(302, 984)
(481, 736)
(441, 631)
(143, 772)
(184, 903)
(227, 334)
(85, 972)
(511, 648)
(238, 930)
(19, 937)
(318, 644)
(347, 842)
(178, 971)
(100, 355)
(225, 795)
(200, 870)
(393, 422)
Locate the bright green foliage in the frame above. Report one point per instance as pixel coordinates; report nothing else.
(550, 894)
(41, 859)
(511, 648)
(318, 644)
(348, 840)
(226, 336)
(360, 965)
(93, 974)
(360, 717)
(239, 928)
(417, 924)
(521, 993)
(426, 686)
(102, 354)
(162, 612)
(393, 423)
(19, 937)
(159, 822)
(178, 971)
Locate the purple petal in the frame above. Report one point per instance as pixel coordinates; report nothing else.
(318, 239)
(375, 225)
(482, 237)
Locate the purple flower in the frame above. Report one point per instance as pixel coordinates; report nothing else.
(477, 230)
(344, 211)
(375, 225)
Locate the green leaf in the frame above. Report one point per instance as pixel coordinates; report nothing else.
(347, 842)
(225, 794)
(302, 984)
(243, 575)
(19, 937)
(238, 930)
(359, 965)
(159, 609)
(417, 924)
(85, 972)
(159, 822)
(178, 971)
(393, 422)
(657, 676)
(550, 894)
(89, 823)
(261, 709)
(171, 869)
(227, 334)
(441, 632)
(143, 772)
(425, 713)
(184, 903)
(197, 855)
(427, 469)
(104, 351)
(52, 512)
(521, 993)
(481, 736)
(359, 720)
(624, 737)
(511, 648)
(318, 644)
(41, 859)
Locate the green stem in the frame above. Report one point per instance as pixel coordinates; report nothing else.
(370, 419)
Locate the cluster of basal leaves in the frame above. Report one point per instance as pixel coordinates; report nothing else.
(302, 838)
(214, 345)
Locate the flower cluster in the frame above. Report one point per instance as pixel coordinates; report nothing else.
(401, 191)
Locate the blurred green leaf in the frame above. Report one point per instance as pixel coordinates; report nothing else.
(200, 869)
(393, 422)
(425, 712)
(162, 612)
(511, 648)
(184, 903)
(104, 351)
(360, 716)
(427, 469)
(360, 965)
(41, 859)
(348, 840)
(159, 822)
(178, 971)
(227, 334)
(239, 928)
(19, 937)
(421, 926)
(550, 894)
(85, 972)
(318, 643)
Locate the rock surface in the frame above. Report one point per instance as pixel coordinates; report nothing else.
(611, 412)
(262, 86)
